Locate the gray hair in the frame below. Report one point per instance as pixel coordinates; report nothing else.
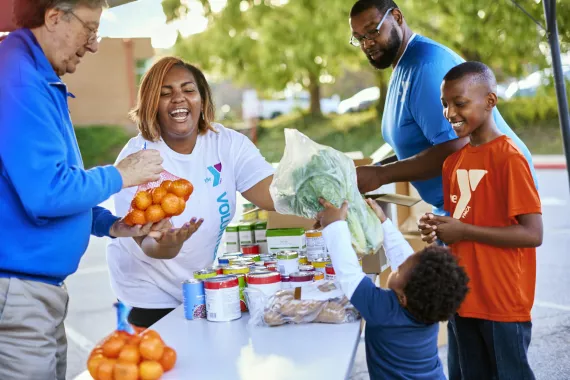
(31, 13)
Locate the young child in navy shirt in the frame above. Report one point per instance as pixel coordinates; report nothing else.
(424, 288)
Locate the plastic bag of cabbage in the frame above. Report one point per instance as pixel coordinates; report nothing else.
(308, 171)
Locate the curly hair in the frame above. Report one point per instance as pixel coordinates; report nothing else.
(31, 13)
(437, 286)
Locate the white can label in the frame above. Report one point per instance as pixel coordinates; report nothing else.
(286, 267)
(222, 305)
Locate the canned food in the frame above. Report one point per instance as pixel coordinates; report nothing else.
(219, 269)
(318, 276)
(269, 262)
(267, 282)
(303, 260)
(265, 257)
(204, 274)
(224, 261)
(330, 274)
(288, 262)
(193, 298)
(272, 267)
(316, 246)
(250, 249)
(252, 257)
(306, 268)
(285, 282)
(222, 298)
(242, 285)
(236, 269)
(259, 270)
(300, 279)
(242, 261)
(320, 265)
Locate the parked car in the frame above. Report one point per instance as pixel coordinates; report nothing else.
(272, 108)
(360, 101)
(529, 85)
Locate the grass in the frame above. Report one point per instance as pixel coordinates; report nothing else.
(100, 145)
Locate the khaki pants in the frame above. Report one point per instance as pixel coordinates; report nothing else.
(33, 345)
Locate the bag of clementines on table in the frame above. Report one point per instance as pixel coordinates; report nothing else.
(160, 199)
(130, 355)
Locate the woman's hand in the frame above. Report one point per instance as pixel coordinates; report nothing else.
(177, 236)
(166, 243)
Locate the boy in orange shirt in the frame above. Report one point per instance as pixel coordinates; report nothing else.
(494, 230)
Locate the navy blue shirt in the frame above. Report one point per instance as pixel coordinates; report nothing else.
(413, 118)
(397, 345)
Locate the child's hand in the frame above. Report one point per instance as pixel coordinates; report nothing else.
(449, 230)
(427, 227)
(377, 209)
(331, 214)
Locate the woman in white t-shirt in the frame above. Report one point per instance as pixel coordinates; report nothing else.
(175, 116)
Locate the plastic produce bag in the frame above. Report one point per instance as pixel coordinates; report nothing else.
(160, 199)
(320, 302)
(309, 171)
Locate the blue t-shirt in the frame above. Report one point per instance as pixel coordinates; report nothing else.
(413, 118)
(397, 345)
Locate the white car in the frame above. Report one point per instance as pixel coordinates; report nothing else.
(360, 101)
(528, 86)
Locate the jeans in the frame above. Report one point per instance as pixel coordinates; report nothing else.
(493, 350)
(453, 366)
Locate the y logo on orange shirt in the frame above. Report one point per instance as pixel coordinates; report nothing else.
(468, 180)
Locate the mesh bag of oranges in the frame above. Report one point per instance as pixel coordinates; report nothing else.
(160, 199)
(128, 355)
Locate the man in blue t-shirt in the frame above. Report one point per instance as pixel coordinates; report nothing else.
(413, 122)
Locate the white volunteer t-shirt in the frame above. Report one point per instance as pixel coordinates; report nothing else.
(221, 164)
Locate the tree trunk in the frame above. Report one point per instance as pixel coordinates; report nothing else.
(315, 94)
(382, 79)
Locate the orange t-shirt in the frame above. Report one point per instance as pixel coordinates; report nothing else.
(489, 185)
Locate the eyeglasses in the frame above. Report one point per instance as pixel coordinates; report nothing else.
(93, 36)
(370, 35)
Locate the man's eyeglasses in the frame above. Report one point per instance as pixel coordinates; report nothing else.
(93, 36)
(370, 35)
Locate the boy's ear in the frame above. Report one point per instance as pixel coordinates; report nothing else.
(491, 100)
(402, 298)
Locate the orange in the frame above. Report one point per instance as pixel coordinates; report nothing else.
(130, 353)
(93, 364)
(170, 204)
(134, 339)
(142, 200)
(126, 371)
(181, 206)
(113, 346)
(106, 369)
(135, 217)
(182, 188)
(150, 370)
(168, 359)
(97, 350)
(157, 194)
(151, 348)
(154, 214)
(150, 334)
(166, 185)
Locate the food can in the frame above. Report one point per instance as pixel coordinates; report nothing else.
(252, 257)
(219, 269)
(315, 244)
(306, 268)
(285, 282)
(320, 265)
(224, 261)
(330, 274)
(242, 285)
(272, 267)
(259, 270)
(300, 279)
(204, 274)
(236, 269)
(318, 276)
(288, 262)
(269, 262)
(193, 298)
(242, 261)
(250, 249)
(303, 260)
(222, 298)
(267, 282)
(266, 257)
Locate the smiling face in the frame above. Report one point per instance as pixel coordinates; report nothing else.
(382, 49)
(69, 38)
(180, 104)
(467, 104)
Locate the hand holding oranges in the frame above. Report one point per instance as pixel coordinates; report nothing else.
(153, 205)
(131, 357)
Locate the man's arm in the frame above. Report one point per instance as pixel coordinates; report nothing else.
(424, 165)
(102, 221)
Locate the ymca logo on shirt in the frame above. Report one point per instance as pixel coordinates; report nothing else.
(467, 180)
(216, 172)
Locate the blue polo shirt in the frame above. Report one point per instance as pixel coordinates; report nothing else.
(413, 118)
